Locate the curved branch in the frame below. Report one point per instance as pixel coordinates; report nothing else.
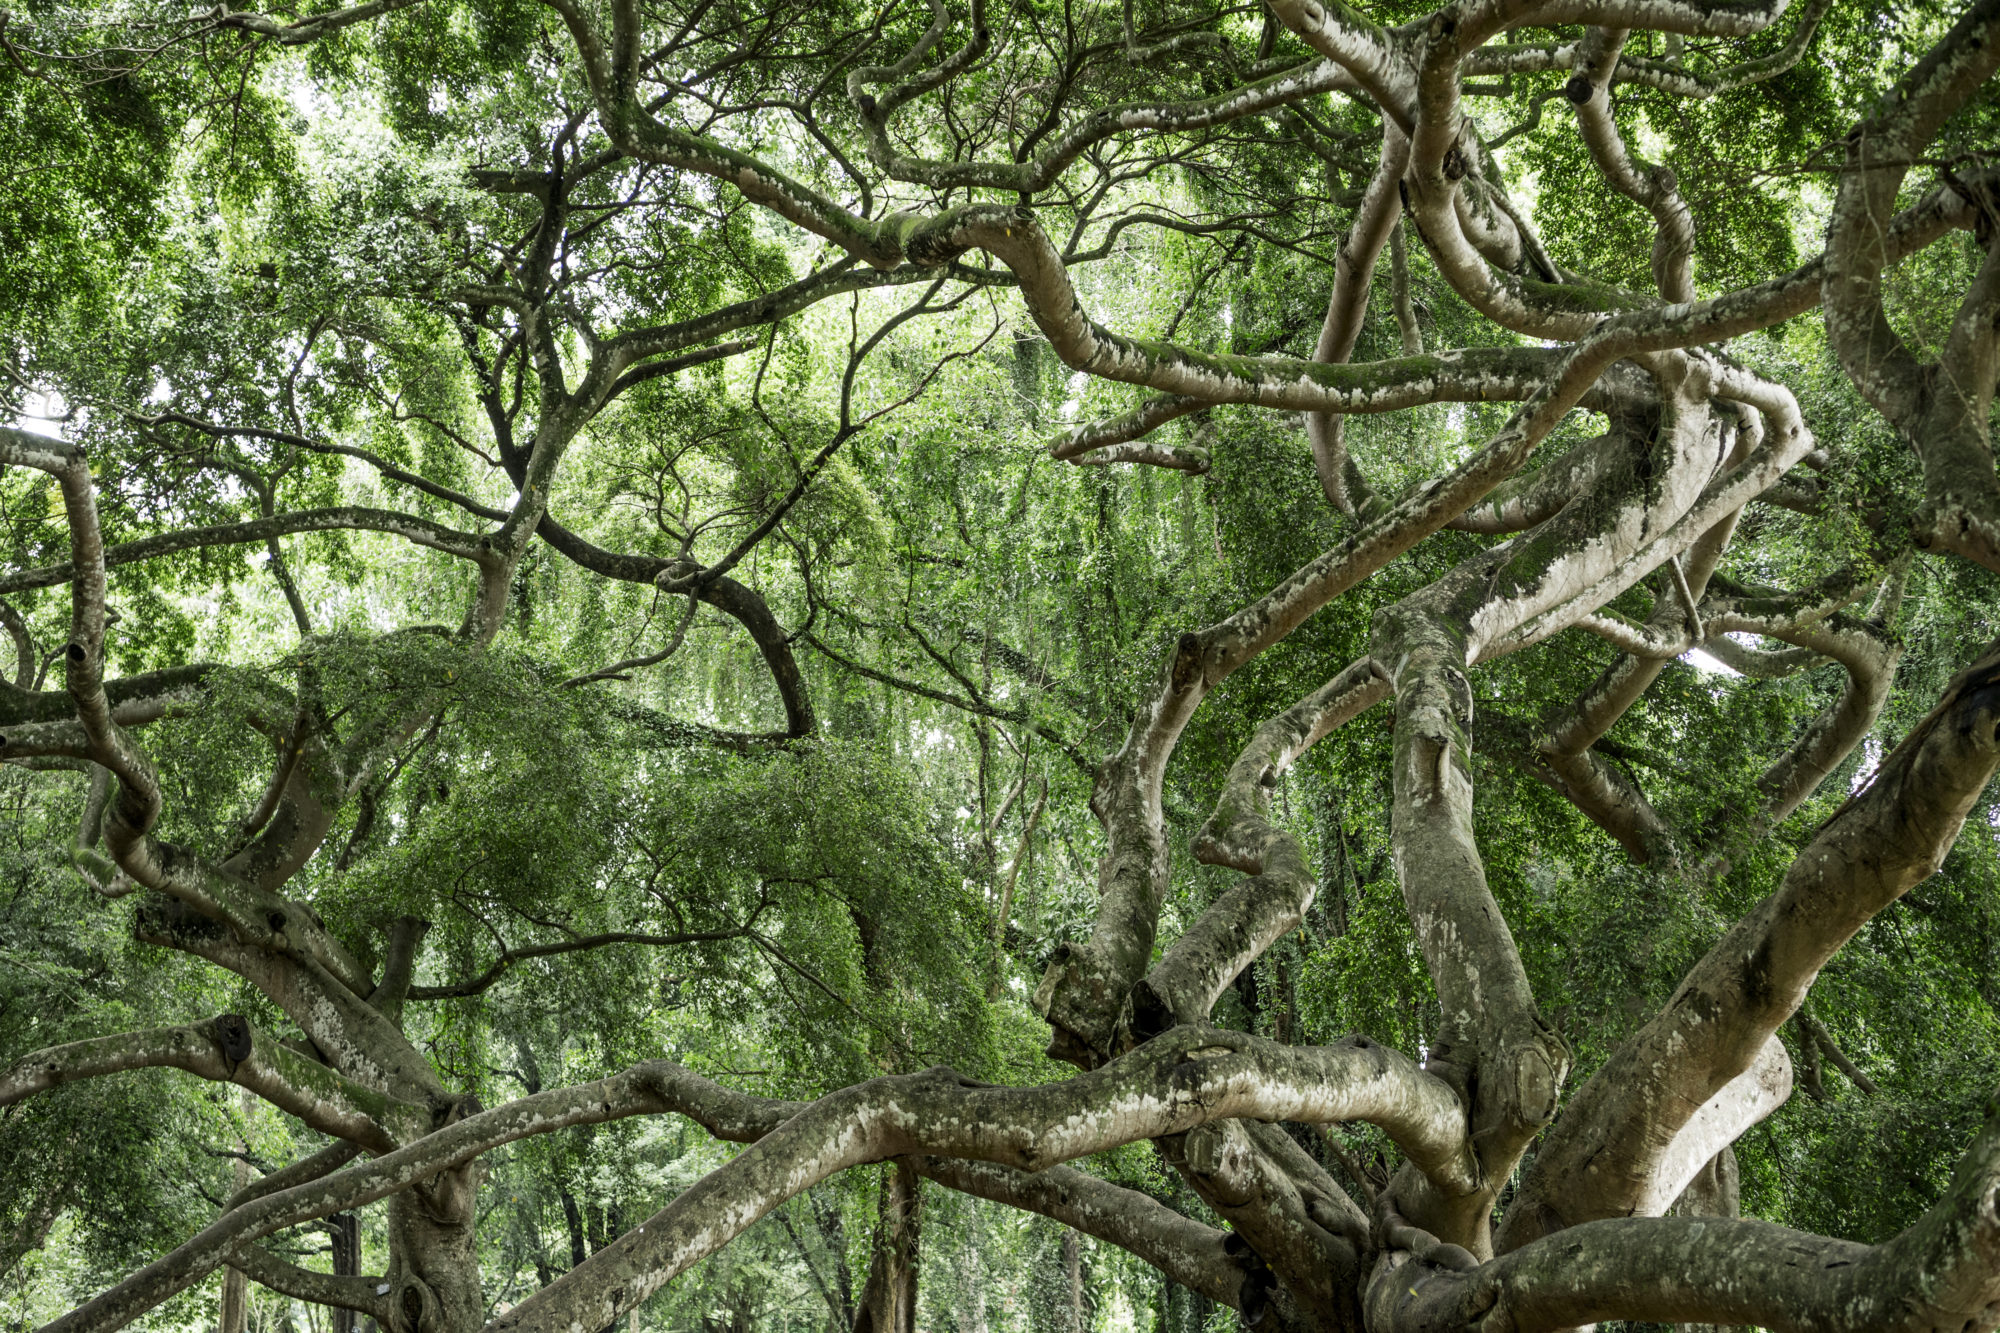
(1185, 1078)
(229, 1050)
(1942, 1272)
(1609, 1142)
(1690, 18)
(287, 1279)
(1940, 408)
(725, 594)
(1086, 986)
(1742, 1103)
(280, 932)
(508, 958)
(338, 518)
(311, 445)
(271, 943)
(635, 346)
(1196, 1256)
(1014, 236)
(1758, 662)
(645, 1089)
(1240, 925)
(1370, 53)
(1869, 658)
(1182, 1079)
(1651, 186)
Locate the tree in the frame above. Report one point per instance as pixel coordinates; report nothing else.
(526, 562)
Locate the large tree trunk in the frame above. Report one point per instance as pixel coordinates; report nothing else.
(435, 1266)
(888, 1302)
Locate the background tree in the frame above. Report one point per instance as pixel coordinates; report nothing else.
(621, 613)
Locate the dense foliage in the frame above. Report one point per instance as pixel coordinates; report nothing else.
(768, 745)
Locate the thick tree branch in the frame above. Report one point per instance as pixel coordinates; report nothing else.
(1086, 986)
(287, 1279)
(1215, 1075)
(1599, 1158)
(1194, 1255)
(1240, 925)
(1942, 1272)
(229, 1050)
(1651, 186)
(1180, 1080)
(1941, 407)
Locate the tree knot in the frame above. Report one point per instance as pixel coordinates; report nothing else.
(1187, 668)
(232, 1034)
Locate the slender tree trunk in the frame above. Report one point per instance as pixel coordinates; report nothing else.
(235, 1302)
(346, 1232)
(235, 1287)
(572, 1214)
(1072, 1263)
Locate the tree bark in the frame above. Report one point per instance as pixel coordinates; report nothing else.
(888, 1302)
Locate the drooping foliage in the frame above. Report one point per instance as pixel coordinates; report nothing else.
(782, 739)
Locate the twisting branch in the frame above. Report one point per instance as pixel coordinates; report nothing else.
(298, 955)
(1086, 986)
(1196, 1256)
(1218, 1075)
(1943, 1271)
(1240, 925)
(1017, 239)
(1869, 657)
(1883, 841)
(1208, 1074)
(229, 1050)
(287, 1279)
(1940, 408)
(1651, 186)
(509, 957)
